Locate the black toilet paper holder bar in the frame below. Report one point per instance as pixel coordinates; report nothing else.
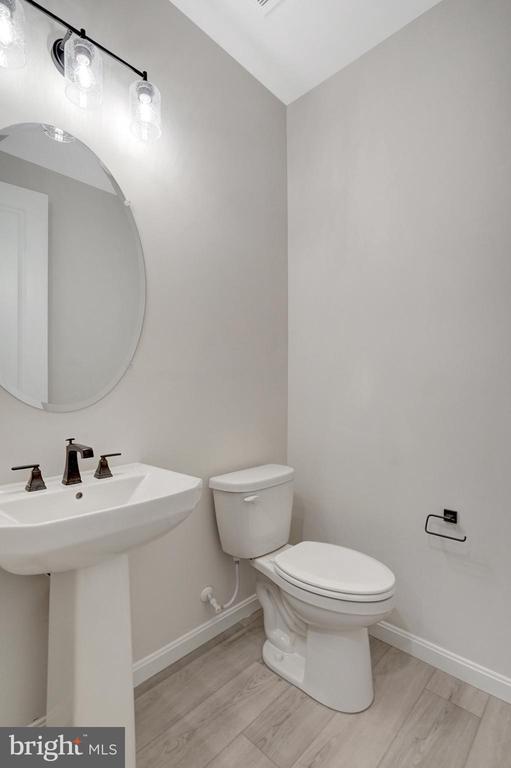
(449, 516)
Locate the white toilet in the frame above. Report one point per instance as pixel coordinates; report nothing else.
(318, 599)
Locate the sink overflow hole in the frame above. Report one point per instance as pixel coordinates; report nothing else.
(79, 495)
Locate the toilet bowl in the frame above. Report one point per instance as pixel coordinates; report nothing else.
(317, 637)
(318, 599)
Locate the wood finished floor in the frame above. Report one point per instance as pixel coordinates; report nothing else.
(221, 707)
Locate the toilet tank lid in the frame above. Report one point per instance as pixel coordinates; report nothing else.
(252, 479)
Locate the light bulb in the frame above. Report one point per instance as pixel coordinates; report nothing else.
(12, 34)
(83, 70)
(145, 108)
(84, 73)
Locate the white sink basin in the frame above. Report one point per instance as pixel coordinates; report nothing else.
(69, 527)
(80, 535)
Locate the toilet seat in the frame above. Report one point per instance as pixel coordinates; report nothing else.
(335, 572)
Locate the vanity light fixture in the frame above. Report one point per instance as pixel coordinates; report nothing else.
(78, 57)
(12, 34)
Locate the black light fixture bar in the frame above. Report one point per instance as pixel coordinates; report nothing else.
(81, 33)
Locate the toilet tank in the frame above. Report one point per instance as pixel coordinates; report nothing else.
(253, 509)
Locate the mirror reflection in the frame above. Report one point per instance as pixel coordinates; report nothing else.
(72, 279)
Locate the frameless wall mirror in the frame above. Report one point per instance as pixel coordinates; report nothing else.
(72, 278)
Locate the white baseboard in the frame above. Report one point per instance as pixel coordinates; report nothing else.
(39, 723)
(163, 657)
(481, 677)
(145, 668)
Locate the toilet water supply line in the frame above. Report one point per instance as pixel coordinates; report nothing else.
(208, 595)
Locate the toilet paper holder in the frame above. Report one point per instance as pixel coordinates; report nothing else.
(449, 516)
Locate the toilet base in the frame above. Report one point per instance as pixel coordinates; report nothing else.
(290, 666)
(335, 670)
(319, 644)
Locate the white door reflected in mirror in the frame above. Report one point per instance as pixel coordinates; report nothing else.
(24, 293)
(72, 276)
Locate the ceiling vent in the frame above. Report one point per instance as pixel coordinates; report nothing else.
(268, 5)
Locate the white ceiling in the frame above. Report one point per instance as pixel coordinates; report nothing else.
(299, 43)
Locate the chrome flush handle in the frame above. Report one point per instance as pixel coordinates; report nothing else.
(250, 499)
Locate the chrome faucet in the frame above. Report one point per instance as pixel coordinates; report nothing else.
(71, 471)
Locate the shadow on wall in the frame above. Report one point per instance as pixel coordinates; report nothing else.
(297, 521)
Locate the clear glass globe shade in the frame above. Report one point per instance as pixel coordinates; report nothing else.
(145, 111)
(12, 34)
(83, 70)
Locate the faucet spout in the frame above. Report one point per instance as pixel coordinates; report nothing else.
(72, 471)
(84, 450)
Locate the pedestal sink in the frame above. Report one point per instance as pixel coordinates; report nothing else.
(80, 535)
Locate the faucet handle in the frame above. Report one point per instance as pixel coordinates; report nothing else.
(35, 482)
(103, 469)
(70, 440)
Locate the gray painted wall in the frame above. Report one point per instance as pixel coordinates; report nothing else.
(208, 387)
(400, 317)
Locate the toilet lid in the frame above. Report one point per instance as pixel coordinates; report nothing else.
(334, 569)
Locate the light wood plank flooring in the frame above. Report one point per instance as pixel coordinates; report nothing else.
(221, 707)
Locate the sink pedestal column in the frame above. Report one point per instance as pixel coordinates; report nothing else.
(90, 677)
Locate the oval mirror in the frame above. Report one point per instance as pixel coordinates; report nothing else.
(72, 277)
